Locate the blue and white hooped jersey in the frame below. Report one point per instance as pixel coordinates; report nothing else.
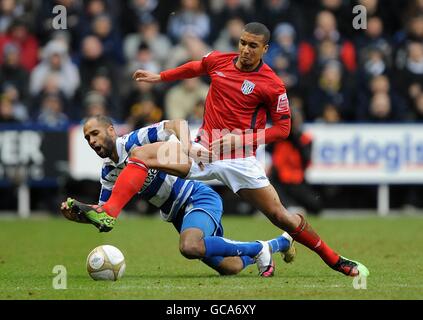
(168, 193)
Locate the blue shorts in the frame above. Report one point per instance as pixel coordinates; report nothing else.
(203, 210)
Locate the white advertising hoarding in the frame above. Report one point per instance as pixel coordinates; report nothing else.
(366, 154)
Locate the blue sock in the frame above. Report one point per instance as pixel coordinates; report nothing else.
(279, 244)
(246, 260)
(218, 246)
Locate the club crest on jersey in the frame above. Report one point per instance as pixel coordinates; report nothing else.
(247, 87)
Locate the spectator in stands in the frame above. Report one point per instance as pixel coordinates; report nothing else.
(9, 11)
(410, 74)
(273, 12)
(417, 112)
(184, 95)
(331, 114)
(386, 10)
(189, 19)
(343, 13)
(148, 33)
(330, 91)
(51, 114)
(12, 72)
(290, 160)
(7, 112)
(145, 111)
(375, 51)
(92, 9)
(138, 12)
(372, 64)
(93, 61)
(195, 119)
(282, 54)
(144, 59)
(141, 91)
(326, 31)
(370, 102)
(381, 109)
(51, 86)
(374, 37)
(110, 37)
(56, 60)
(44, 27)
(231, 10)
(228, 39)
(19, 35)
(102, 84)
(190, 48)
(20, 110)
(94, 105)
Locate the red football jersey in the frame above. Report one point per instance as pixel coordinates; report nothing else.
(238, 101)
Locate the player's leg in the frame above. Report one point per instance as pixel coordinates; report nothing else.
(205, 212)
(267, 200)
(198, 225)
(165, 156)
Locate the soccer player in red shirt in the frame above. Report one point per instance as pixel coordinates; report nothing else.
(243, 89)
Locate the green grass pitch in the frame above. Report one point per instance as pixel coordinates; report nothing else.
(29, 249)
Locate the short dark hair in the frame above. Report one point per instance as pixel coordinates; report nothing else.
(259, 29)
(100, 118)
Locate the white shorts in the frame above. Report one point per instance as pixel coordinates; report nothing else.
(240, 173)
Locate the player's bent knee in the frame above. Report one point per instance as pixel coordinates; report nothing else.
(190, 249)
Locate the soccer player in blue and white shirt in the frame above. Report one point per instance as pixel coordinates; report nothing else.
(194, 208)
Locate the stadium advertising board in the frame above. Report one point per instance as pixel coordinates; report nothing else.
(366, 154)
(342, 154)
(32, 153)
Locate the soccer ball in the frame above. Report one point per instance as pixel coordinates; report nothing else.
(106, 263)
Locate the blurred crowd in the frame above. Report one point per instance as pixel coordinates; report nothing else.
(333, 72)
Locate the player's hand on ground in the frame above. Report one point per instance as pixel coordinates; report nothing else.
(225, 145)
(146, 76)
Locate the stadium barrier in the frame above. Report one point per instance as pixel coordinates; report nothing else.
(381, 155)
(31, 156)
(367, 155)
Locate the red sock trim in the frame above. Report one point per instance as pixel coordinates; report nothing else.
(138, 162)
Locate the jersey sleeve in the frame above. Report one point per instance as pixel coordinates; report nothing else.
(209, 60)
(106, 183)
(280, 113)
(105, 194)
(191, 69)
(151, 134)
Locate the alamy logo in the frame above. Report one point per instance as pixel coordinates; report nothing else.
(360, 283)
(247, 87)
(60, 281)
(60, 21)
(360, 20)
